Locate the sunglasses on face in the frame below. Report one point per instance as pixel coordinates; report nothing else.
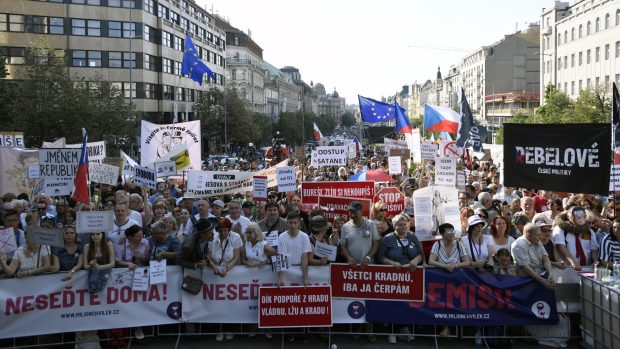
(383, 210)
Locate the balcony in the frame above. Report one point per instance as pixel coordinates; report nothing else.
(242, 61)
(508, 112)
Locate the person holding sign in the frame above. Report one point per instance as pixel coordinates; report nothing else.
(257, 251)
(320, 226)
(273, 225)
(163, 246)
(134, 251)
(296, 245)
(68, 258)
(28, 260)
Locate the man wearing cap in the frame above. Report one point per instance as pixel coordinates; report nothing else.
(273, 225)
(360, 240)
(248, 210)
(217, 208)
(531, 257)
(194, 249)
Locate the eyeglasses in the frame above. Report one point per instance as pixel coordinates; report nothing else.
(545, 230)
(383, 210)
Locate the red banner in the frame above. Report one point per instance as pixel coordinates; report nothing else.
(382, 282)
(295, 306)
(310, 191)
(393, 198)
(337, 206)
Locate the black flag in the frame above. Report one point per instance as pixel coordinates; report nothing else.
(470, 134)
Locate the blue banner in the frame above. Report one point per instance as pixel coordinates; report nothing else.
(470, 297)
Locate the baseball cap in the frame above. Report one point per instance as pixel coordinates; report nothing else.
(218, 203)
(355, 206)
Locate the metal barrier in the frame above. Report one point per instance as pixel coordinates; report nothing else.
(600, 314)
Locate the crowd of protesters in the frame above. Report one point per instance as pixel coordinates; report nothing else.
(515, 231)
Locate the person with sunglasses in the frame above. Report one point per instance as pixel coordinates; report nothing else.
(379, 211)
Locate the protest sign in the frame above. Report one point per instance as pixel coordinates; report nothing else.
(435, 205)
(158, 272)
(159, 141)
(96, 150)
(413, 142)
(58, 186)
(390, 144)
(282, 307)
(165, 169)
(102, 173)
(401, 153)
(259, 188)
(58, 163)
(460, 180)
(113, 161)
(352, 150)
(445, 171)
(333, 206)
(329, 156)
(14, 163)
(310, 191)
(11, 139)
(449, 149)
(44, 236)
(145, 177)
(59, 143)
(127, 165)
(7, 241)
(325, 250)
(140, 279)
(34, 172)
(286, 179)
(558, 157)
(428, 150)
(280, 262)
(395, 165)
(94, 221)
(393, 198)
(377, 282)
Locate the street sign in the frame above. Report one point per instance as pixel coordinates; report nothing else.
(393, 198)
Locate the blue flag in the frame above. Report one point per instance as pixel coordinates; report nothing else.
(470, 135)
(192, 65)
(375, 111)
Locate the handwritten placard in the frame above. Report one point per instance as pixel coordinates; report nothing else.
(324, 250)
(44, 236)
(158, 272)
(7, 240)
(103, 173)
(94, 221)
(286, 179)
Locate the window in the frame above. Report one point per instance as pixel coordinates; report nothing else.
(114, 29)
(162, 11)
(618, 17)
(588, 56)
(14, 55)
(149, 6)
(39, 25)
(597, 25)
(129, 58)
(194, 28)
(588, 28)
(78, 59)
(174, 17)
(180, 94)
(565, 36)
(150, 91)
(129, 30)
(177, 68)
(565, 62)
(572, 87)
(588, 83)
(178, 43)
(57, 25)
(168, 92)
(94, 58)
(597, 55)
(115, 59)
(580, 58)
(78, 27)
(236, 40)
(94, 28)
(129, 89)
(597, 81)
(167, 65)
(580, 86)
(580, 31)
(566, 87)
(4, 24)
(149, 34)
(572, 60)
(166, 38)
(16, 23)
(150, 62)
(572, 34)
(617, 49)
(184, 23)
(607, 52)
(606, 80)
(607, 21)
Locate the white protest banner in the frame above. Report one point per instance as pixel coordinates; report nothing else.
(428, 150)
(96, 150)
(325, 250)
(59, 143)
(58, 163)
(145, 177)
(158, 272)
(445, 171)
(395, 165)
(102, 173)
(212, 183)
(94, 221)
(329, 156)
(57, 186)
(234, 299)
(434, 205)
(14, 163)
(7, 241)
(280, 262)
(352, 150)
(460, 180)
(127, 165)
(413, 143)
(286, 179)
(44, 236)
(259, 187)
(157, 141)
(165, 169)
(140, 279)
(389, 144)
(31, 304)
(11, 139)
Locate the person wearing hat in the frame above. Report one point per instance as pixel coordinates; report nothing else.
(217, 208)
(545, 224)
(531, 257)
(248, 210)
(194, 249)
(476, 244)
(320, 233)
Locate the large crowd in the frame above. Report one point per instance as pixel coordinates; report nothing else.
(506, 230)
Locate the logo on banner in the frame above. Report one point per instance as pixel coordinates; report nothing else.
(568, 157)
(175, 310)
(541, 309)
(356, 310)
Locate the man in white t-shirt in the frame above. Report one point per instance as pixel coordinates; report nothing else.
(121, 223)
(295, 244)
(121, 197)
(239, 222)
(203, 210)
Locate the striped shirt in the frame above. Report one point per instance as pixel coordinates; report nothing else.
(439, 250)
(610, 248)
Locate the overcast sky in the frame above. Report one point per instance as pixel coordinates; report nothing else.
(372, 48)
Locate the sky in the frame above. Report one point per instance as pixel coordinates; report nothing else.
(373, 48)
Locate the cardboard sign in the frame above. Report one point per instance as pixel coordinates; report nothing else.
(428, 150)
(381, 282)
(127, 164)
(145, 177)
(7, 241)
(58, 163)
(11, 139)
(286, 179)
(158, 272)
(102, 173)
(260, 188)
(393, 198)
(94, 221)
(445, 171)
(329, 156)
(165, 169)
(338, 206)
(57, 186)
(395, 165)
(140, 279)
(294, 306)
(460, 180)
(44, 236)
(310, 191)
(96, 150)
(34, 172)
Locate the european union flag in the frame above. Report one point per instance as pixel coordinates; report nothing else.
(192, 65)
(375, 111)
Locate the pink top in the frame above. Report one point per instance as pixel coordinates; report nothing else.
(125, 252)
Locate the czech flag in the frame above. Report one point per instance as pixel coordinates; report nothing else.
(402, 123)
(358, 144)
(81, 193)
(317, 133)
(440, 119)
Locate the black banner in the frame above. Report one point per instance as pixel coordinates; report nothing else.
(572, 158)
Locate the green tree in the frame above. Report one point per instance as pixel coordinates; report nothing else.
(592, 106)
(555, 110)
(348, 119)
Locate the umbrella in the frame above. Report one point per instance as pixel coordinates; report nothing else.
(372, 175)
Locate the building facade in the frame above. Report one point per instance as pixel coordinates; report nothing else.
(281, 94)
(329, 104)
(580, 45)
(137, 45)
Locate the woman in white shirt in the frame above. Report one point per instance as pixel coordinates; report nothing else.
(31, 259)
(225, 249)
(476, 244)
(256, 252)
(185, 225)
